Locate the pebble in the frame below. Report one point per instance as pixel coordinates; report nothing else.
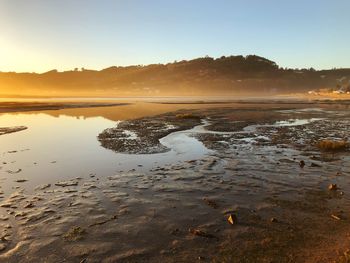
(332, 187)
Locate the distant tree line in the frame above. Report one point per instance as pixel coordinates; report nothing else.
(202, 76)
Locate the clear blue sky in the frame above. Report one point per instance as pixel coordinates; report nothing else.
(39, 35)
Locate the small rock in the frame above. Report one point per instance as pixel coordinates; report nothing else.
(273, 220)
(332, 187)
(200, 233)
(301, 164)
(21, 180)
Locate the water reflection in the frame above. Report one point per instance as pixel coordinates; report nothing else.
(57, 146)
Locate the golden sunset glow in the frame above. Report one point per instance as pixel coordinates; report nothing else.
(152, 131)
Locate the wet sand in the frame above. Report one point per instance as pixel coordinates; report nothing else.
(222, 161)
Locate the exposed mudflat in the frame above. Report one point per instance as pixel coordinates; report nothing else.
(224, 184)
(142, 135)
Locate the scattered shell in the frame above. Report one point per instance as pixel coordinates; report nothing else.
(335, 217)
(232, 219)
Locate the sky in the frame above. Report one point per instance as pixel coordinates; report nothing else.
(40, 35)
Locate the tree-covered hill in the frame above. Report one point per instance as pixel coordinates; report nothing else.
(233, 75)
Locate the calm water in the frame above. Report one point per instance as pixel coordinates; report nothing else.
(58, 145)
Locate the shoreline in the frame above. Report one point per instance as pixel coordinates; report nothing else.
(10, 107)
(35, 104)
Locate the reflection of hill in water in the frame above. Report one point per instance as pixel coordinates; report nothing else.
(125, 112)
(132, 109)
